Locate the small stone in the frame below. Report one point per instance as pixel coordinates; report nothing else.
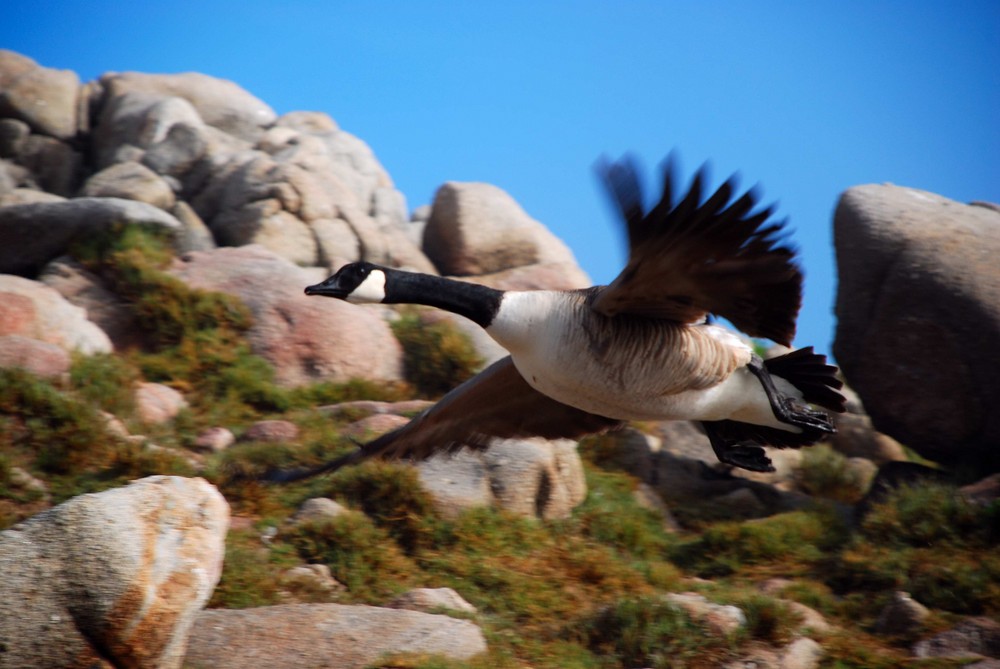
(312, 576)
(724, 618)
(214, 439)
(318, 508)
(20, 478)
(157, 403)
(430, 600)
(271, 431)
(802, 653)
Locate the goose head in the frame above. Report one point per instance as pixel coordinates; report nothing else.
(358, 282)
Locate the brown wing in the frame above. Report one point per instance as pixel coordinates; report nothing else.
(496, 403)
(693, 258)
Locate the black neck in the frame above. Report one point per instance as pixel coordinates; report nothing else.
(475, 302)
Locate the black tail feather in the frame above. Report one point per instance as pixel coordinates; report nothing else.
(809, 372)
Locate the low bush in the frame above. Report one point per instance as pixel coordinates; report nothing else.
(360, 555)
(391, 495)
(105, 380)
(826, 473)
(930, 542)
(63, 433)
(650, 632)
(798, 541)
(437, 357)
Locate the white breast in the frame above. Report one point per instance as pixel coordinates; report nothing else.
(637, 379)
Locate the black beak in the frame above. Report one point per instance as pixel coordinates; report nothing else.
(327, 289)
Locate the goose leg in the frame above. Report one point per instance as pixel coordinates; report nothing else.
(788, 409)
(743, 454)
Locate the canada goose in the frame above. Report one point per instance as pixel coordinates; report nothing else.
(641, 348)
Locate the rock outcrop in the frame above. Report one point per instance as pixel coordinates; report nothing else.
(530, 477)
(113, 579)
(46, 99)
(476, 228)
(32, 309)
(34, 355)
(918, 318)
(325, 635)
(306, 339)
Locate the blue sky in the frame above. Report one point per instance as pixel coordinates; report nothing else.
(804, 98)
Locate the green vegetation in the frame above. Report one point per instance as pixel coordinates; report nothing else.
(931, 543)
(437, 357)
(826, 473)
(649, 632)
(194, 338)
(106, 381)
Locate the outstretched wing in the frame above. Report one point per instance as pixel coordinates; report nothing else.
(496, 403)
(694, 257)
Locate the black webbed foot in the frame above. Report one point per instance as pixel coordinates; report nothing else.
(788, 409)
(743, 454)
(803, 416)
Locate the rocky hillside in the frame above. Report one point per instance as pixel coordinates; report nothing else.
(156, 232)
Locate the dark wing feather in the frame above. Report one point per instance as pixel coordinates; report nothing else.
(697, 257)
(496, 403)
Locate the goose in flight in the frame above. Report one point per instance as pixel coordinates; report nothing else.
(641, 348)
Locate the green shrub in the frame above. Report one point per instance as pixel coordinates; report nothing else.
(930, 542)
(798, 539)
(351, 391)
(391, 495)
(195, 338)
(649, 632)
(360, 555)
(611, 515)
(249, 573)
(929, 515)
(437, 357)
(105, 380)
(64, 434)
(768, 619)
(826, 473)
(133, 259)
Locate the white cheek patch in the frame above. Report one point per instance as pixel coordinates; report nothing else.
(372, 289)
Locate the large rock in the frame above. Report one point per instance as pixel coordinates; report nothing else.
(166, 133)
(53, 164)
(918, 310)
(477, 228)
(38, 357)
(32, 309)
(86, 290)
(563, 275)
(971, 637)
(307, 339)
(529, 477)
(311, 193)
(35, 233)
(325, 635)
(220, 103)
(44, 98)
(298, 204)
(131, 181)
(111, 579)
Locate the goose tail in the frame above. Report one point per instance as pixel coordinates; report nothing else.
(809, 372)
